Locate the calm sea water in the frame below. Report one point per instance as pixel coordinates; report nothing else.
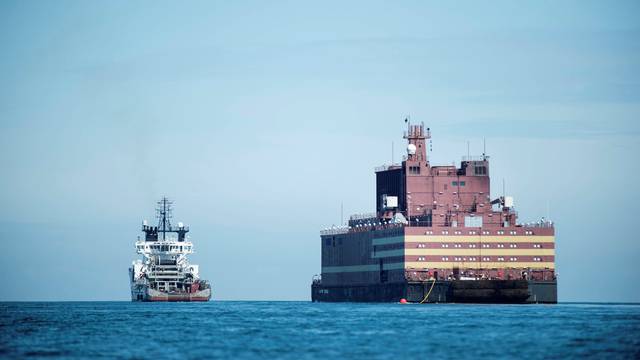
(298, 330)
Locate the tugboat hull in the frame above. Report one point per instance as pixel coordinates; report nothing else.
(159, 296)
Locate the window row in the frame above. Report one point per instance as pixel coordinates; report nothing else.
(485, 246)
(465, 259)
(486, 258)
(164, 247)
(473, 232)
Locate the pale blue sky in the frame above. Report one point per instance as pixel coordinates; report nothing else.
(259, 118)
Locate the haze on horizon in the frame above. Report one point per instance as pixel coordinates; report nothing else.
(260, 119)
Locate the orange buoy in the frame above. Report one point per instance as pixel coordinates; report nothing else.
(403, 301)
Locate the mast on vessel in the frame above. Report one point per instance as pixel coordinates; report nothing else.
(164, 214)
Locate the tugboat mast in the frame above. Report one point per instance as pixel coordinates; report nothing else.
(164, 214)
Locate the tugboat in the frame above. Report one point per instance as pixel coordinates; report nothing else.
(164, 273)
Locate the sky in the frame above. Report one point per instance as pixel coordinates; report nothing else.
(259, 119)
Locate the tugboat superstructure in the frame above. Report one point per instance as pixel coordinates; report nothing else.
(164, 273)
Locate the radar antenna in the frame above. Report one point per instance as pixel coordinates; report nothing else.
(164, 215)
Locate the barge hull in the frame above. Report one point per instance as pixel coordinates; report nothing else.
(443, 291)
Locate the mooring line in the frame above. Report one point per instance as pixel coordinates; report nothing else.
(429, 292)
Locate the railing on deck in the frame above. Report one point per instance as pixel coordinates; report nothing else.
(335, 230)
(538, 224)
(370, 222)
(422, 275)
(475, 158)
(386, 167)
(360, 228)
(363, 216)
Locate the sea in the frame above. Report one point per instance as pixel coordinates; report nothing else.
(306, 330)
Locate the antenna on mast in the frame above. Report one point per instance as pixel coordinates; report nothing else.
(503, 190)
(164, 214)
(548, 209)
(484, 148)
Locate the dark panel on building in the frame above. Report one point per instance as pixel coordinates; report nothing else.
(389, 182)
